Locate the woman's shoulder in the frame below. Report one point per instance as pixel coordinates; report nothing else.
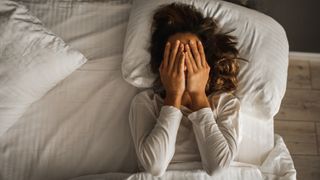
(147, 99)
(144, 96)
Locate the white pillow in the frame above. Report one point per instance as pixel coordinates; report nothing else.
(261, 40)
(32, 61)
(262, 81)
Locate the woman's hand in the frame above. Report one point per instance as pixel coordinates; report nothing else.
(198, 74)
(172, 73)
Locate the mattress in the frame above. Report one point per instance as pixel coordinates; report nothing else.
(80, 128)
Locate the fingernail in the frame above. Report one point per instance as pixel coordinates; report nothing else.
(191, 42)
(167, 44)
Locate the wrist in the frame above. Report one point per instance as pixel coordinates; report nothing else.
(197, 95)
(199, 100)
(173, 100)
(176, 95)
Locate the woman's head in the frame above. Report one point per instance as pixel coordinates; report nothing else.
(183, 22)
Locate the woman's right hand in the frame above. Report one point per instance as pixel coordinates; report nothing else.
(172, 69)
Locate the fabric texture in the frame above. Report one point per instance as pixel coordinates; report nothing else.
(278, 165)
(80, 126)
(44, 143)
(33, 60)
(166, 137)
(262, 81)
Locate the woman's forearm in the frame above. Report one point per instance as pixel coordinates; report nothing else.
(216, 135)
(157, 148)
(217, 143)
(154, 136)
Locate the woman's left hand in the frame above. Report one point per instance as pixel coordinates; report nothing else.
(198, 68)
(197, 75)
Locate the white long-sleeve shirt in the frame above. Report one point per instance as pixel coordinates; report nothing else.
(166, 137)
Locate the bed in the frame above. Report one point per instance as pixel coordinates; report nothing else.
(79, 129)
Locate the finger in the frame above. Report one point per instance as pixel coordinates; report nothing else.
(178, 57)
(195, 53)
(202, 54)
(188, 62)
(173, 55)
(166, 55)
(192, 61)
(181, 65)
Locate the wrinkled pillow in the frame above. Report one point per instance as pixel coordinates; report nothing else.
(262, 80)
(262, 41)
(32, 61)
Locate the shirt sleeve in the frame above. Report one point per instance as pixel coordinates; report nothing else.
(154, 137)
(216, 137)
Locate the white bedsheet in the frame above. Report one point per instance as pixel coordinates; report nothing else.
(81, 126)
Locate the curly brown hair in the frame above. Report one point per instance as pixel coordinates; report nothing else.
(220, 50)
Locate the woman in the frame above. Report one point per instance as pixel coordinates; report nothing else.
(189, 119)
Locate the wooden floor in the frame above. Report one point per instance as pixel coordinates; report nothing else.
(298, 120)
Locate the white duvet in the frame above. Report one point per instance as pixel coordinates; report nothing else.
(80, 129)
(277, 166)
(81, 125)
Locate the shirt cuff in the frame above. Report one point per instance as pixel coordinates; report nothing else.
(198, 115)
(170, 111)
